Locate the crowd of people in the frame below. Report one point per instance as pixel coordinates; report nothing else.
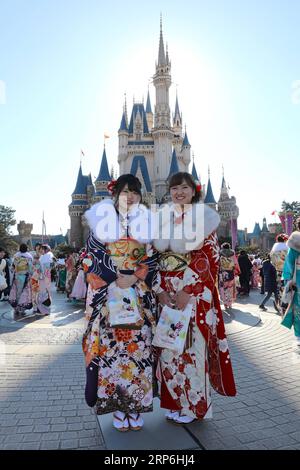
(25, 279)
(239, 273)
(154, 276)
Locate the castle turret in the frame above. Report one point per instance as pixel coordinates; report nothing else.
(228, 212)
(102, 180)
(162, 132)
(209, 197)
(77, 207)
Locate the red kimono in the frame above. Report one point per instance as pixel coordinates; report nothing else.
(186, 378)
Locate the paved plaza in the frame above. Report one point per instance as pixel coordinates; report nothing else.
(42, 378)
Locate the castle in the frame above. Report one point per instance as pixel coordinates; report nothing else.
(153, 149)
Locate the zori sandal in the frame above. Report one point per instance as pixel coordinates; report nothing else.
(136, 421)
(120, 421)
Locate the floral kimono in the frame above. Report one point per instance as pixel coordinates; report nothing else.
(20, 296)
(119, 363)
(185, 378)
(229, 268)
(35, 280)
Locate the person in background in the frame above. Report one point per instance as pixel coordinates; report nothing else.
(270, 284)
(20, 296)
(229, 268)
(255, 278)
(4, 275)
(246, 270)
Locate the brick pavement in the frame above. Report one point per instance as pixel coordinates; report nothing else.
(42, 378)
(42, 384)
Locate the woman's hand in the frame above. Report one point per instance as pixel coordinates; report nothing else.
(181, 299)
(126, 280)
(164, 298)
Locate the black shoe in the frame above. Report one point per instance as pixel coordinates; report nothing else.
(262, 307)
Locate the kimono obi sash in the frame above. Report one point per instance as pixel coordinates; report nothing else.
(126, 253)
(170, 261)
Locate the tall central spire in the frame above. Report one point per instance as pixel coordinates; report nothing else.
(161, 50)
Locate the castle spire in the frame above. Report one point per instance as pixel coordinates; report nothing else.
(148, 104)
(174, 168)
(80, 187)
(209, 198)
(161, 50)
(194, 171)
(104, 172)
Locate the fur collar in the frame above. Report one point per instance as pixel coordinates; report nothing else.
(182, 235)
(294, 241)
(108, 225)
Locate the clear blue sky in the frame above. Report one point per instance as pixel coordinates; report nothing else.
(64, 68)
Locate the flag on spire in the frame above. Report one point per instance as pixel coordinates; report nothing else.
(82, 153)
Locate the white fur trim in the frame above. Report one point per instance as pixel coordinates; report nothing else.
(107, 225)
(294, 241)
(198, 223)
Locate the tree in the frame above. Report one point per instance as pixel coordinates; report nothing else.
(291, 206)
(7, 217)
(6, 241)
(6, 221)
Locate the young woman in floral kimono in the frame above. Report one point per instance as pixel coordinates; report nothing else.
(20, 296)
(229, 268)
(118, 358)
(189, 271)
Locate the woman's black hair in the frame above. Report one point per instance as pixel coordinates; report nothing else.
(23, 248)
(226, 246)
(132, 182)
(182, 176)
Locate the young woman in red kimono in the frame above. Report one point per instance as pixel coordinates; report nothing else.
(189, 273)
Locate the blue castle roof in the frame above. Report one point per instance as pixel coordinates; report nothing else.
(194, 172)
(104, 173)
(140, 161)
(138, 107)
(185, 140)
(257, 230)
(209, 198)
(81, 183)
(174, 168)
(148, 104)
(123, 125)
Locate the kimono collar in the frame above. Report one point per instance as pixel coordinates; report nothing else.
(109, 226)
(184, 232)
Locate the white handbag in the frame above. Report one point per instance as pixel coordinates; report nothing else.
(123, 309)
(172, 327)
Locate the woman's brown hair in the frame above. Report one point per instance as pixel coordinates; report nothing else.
(182, 176)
